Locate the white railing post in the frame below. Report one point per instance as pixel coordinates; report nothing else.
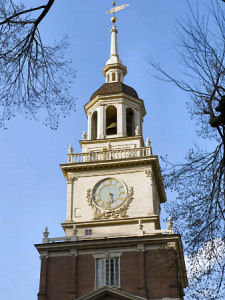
(70, 154)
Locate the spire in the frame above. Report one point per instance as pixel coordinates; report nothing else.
(114, 57)
(114, 71)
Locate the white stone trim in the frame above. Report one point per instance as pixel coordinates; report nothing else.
(99, 254)
(114, 291)
(104, 256)
(107, 254)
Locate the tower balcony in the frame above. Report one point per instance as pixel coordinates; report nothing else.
(109, 155)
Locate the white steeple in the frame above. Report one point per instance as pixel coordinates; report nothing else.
(114, 71)
(114, 57)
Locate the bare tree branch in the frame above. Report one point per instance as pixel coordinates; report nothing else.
(35, 78)
(199, 210)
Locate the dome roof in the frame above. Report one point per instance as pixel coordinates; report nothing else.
(115, 88)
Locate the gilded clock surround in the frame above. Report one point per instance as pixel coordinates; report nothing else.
(105, 210)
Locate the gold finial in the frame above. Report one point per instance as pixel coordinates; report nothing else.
(114, 19)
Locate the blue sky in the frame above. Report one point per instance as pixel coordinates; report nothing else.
(32, 187)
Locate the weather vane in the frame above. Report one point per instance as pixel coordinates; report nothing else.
(115, 9)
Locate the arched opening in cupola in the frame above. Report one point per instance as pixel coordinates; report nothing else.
(94, 125)
(113, 76)
(111, 120)
(130, 122)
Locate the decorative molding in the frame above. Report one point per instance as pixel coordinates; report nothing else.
(120, 212)
(171, 245)
(98, 253)
(44, 254)
(102, 99)
(149, 172)
(70, 179)
(140, 247)
(73, 252)
(111, 292)
(107, 254)
(112, 172)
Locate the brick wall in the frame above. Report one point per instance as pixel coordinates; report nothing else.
(150, 274)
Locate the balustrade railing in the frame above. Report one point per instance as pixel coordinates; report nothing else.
(109, 155)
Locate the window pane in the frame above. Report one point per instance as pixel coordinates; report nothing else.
(112, 271)
(116, 271)
(98, 273)
(102, 272)
(107, 272)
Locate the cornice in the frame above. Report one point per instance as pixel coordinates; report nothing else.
(113, 242)
(110, 222)
(120, 242)
(115, 139)
(121, 163)
(114, 66)
(120, 96)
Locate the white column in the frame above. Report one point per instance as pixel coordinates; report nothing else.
(121, 120)
(124, 120)
(89, 126)
(101, 122)
(138, 120)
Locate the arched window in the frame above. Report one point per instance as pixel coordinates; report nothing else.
(111, 120)
(130, 122)
(119, 77)
(108, 78)
(94, 125)
(113, 76)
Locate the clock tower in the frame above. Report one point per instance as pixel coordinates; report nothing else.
(114, 247)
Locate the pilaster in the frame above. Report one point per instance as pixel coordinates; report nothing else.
(141, 270)
(150, 187)
(73, 275)
(42, 294)
(69, 209)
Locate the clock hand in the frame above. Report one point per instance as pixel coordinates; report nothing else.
(111, 197)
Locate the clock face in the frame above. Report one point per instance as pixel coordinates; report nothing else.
(109, 193)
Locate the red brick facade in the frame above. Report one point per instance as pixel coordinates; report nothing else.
(149, 273)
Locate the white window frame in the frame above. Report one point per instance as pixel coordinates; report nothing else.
(104, 259)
